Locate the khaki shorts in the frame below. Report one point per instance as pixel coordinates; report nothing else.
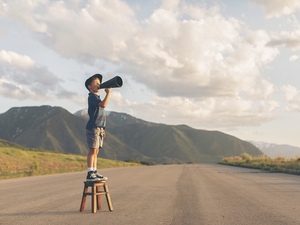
(95, 137)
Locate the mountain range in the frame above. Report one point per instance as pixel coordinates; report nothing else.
(275, 150)
(56, 129)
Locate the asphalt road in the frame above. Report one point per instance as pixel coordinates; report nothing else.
(170, 194)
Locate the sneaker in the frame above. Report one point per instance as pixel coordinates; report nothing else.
(91, 176)
(98, 175)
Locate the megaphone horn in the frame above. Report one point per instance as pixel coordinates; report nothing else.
(112, 83)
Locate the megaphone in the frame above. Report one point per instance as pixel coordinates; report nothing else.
(112, 83)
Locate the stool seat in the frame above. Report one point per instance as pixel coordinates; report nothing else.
(95, 193)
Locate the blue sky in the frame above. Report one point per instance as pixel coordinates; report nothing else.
(231, 66)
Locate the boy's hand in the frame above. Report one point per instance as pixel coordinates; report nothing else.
(104, 103)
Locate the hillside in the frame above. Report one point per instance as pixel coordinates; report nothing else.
(18, 161)
(54, 128)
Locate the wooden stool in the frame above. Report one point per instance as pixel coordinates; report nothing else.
(95, 194)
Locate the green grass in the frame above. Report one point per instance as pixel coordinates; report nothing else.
(16, 162)
(265, 163)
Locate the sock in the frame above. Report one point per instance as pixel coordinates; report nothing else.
(90, 169)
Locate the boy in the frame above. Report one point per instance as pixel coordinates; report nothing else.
(95, 125)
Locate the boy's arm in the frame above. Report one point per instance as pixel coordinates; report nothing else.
(104, 103)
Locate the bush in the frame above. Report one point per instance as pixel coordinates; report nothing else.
(132, 161)
(248, 158)
(265, 163)
(148, 163)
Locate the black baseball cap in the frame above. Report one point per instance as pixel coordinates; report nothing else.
(89, 80)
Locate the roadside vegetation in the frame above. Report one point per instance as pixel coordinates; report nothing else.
(265, 163)
(16, 162)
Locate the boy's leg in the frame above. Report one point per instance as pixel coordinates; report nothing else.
(91, 160)
(98, 175)
(92, 137)
(101, 137)
(94, 140)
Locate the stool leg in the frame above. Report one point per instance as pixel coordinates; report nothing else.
(98, 198)
(108, 197)
(94, 198)
(83, 200)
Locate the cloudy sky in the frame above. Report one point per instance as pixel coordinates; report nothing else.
(227, 65)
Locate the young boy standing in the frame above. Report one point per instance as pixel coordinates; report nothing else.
(95, 125)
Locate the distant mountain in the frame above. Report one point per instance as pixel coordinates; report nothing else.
(54, 128)
(274, 150)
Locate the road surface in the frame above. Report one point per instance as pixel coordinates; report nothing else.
(153, 195)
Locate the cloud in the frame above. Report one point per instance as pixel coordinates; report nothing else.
(22, 62)
(22, 78)
(208, 56)
(200, 64)
(288, 39)
(75, 29)
(210, 112)
(292, 95)
(25, 12)
(294, 58)
(278, 8)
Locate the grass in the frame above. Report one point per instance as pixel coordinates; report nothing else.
(16, 162)
(265, 163)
